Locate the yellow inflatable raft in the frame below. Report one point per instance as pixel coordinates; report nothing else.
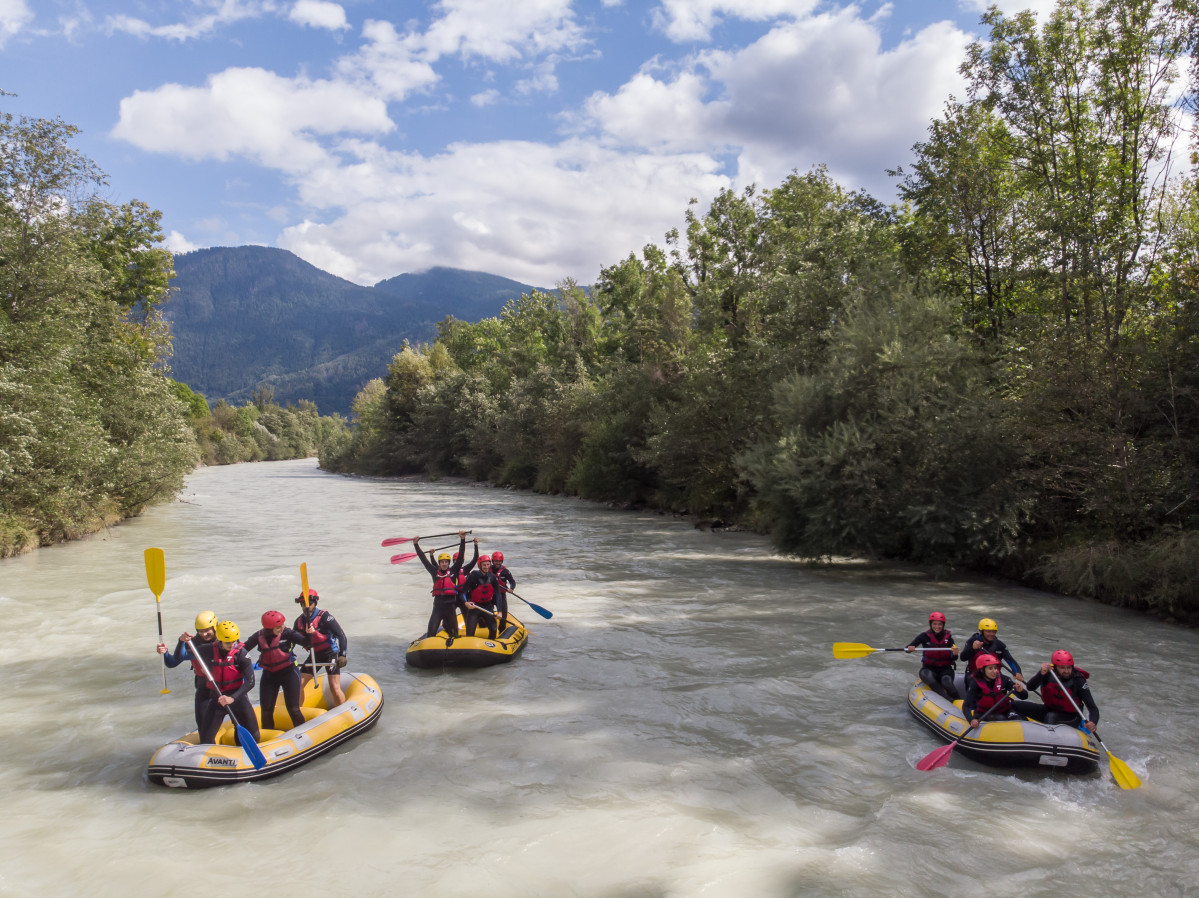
(431, 652)
(1005, 743)
(188, 764)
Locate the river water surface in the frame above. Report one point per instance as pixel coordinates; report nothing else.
(680, 728)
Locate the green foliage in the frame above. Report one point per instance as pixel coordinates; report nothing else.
(90, 429)
(266, 431)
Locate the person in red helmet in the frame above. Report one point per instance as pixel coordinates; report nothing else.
(1056, 691)
(276, 643)
(327, 643)
(485, 601)
(939, 654)
(502, 574)
(988, 687)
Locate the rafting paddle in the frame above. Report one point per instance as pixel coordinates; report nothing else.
(316, 680)
(1121, 772)
(156, 576)
(400, 540)
(542, 611)
(939, 757)
(408, 556)
(244, 739)
(845, 650)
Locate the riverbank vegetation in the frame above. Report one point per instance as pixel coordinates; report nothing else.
(1000, 374)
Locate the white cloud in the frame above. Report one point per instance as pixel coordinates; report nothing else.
(819, 89)
(392, 64)
(1010, 7)
(252, 113)
(485, 98)
(502, 32)
(177, 243)
(14, 16)
(319, 14)
(224, 12)
(693, 20)
(531, 211)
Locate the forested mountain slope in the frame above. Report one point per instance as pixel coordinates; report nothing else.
(249, 316)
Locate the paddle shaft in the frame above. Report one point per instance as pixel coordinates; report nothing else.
(308, 620)
(400, 540)
(1081, 717)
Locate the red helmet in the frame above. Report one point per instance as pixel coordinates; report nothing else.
(312, 597)
(1062, 657)
(455, 556)
(985, 660)
(273, 619)
(936, 615)
(484, 559)
(497, 557)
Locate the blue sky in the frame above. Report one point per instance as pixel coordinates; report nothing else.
(537, 139)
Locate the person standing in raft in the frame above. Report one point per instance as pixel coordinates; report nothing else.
(205, 642)
(275, 643)
(939, 654)
(233, 672)
(327, 644)
(987, 687)
(485, 601)
(447, 600)
(507, 581)
(460, 580)
(1057, 708)
(986, 641)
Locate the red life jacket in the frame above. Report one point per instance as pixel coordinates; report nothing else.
(272, 657)
(192, 652)
(444, 585)
(992, 694)
(938, 659)
(320, 641)
(225, 670)
(482, 594)
(1055, 699)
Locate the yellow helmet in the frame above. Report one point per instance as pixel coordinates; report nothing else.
(226, 631)
(444, 556)
(205, 620)
(987, 624)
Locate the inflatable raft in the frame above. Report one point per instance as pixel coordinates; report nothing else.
(188, 764)
(432, 652)
(1006, 743)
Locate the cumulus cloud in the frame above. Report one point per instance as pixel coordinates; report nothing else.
(502, 32)
(15, 15)
(252, 113)
(177, 243)
(693, 20)
(485, 98)
(533, 211)
(319, 14)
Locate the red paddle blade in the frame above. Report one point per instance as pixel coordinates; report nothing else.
(400, 559)
(938, 757)
(396, 541)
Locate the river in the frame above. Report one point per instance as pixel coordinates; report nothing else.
(679, 728)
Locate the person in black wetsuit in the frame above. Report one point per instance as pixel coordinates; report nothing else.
(987, 640)
(203, 644)
(987, 687)
(507, 581)
(327, 643)
(939, 652)
(275, 644)
(1057, 707)
(485, 600)
(447, 600)
(233, 672)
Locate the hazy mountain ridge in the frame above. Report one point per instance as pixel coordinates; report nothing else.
(250, 315)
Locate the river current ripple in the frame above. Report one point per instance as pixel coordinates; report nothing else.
(680, 728)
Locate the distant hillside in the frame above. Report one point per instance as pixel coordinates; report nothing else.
(250, 315)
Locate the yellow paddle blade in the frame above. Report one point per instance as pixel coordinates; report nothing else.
(845, 650)
(1122, 773)
(304, 583)
(156, 572)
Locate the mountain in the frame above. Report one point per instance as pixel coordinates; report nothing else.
(247, 316)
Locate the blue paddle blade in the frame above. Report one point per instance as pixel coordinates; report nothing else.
(546, 614)
(249, 746)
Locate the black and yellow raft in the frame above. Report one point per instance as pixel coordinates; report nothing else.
(1006, 743)
(186, 763)
(432, 652)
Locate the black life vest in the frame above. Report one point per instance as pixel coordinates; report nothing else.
(225, 671)
(272, 657)
(938, 659)
(1056, 700)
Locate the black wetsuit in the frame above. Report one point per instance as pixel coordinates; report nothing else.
(1077, 686)
(447, 605)
(214, 712)
(505, 577)
(938, 677)
(497, 604)
(994, 647)
(182, 655)
(286, 678)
